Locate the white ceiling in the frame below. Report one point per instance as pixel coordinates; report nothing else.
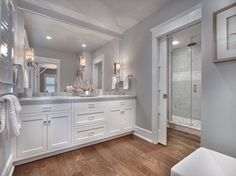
(114, 15)
(65, 37)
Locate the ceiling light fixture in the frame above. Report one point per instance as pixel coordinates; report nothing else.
(49, 37)
(175, 42)
(84, 45)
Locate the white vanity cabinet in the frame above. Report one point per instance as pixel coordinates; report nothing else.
(89, 121)
(33, 137)
(44, 129)
(121, 116)
(69, 124)
(59, 130)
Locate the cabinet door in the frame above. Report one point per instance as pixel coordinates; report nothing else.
(32, 139)
(115, 121)
(128, 119)
(59, 130)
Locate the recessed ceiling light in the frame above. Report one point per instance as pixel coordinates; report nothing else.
(49, 37)
(84, 45)
(175, 42)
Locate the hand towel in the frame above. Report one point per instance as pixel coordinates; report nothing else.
(126, 82)
(14, 109)
(114, 82)
(2, 117)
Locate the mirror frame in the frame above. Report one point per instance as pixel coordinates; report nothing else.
(95, 61)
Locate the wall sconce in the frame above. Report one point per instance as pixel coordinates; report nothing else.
(29, 56)
(82, 61)
(116, 68)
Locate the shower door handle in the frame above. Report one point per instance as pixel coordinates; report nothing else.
(195, 88)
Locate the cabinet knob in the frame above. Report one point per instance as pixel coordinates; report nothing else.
(91, 106)
(49, 122)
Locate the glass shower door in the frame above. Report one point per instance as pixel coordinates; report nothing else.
(181, 94)
(185, 77)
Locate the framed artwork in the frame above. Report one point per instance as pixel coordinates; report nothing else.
(224, 31)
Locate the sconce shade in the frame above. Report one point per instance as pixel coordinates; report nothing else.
(29, 54)
(82, 61)
(116, 67)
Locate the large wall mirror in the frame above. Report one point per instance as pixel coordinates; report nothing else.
(62, 51)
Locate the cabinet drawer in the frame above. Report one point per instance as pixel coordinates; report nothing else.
(26, 109)
(122, 103)
(80, 119)
(83, 135)
(89, 106)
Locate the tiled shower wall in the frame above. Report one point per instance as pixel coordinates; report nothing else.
(186, 103)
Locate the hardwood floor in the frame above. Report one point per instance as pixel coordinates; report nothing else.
(126, 156)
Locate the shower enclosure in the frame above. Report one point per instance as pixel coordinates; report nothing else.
(185, 77)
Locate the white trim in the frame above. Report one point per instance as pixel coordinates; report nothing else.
(95, 61)
(188, 17)
(49, 61)
(143, 133)
(9, 167)
(185, 19)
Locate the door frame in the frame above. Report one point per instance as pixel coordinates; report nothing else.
(186, 19)
(96, 60)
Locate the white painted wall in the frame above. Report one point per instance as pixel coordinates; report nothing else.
(218, 89)
(111, 53)
(137, 57)
(69, 65)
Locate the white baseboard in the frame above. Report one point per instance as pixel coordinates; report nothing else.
(143, 133)
(9, 167)
(20, 161)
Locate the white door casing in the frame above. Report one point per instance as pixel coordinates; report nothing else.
(97, 60)
(159, 104)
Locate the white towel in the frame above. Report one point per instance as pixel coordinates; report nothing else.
(14, 109)
(2, 117)
(114, 82)
(126, 82)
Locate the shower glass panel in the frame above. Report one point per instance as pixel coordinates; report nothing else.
(185, 77)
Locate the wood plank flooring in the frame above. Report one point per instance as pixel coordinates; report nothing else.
(126, 156)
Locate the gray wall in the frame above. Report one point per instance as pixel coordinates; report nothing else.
(69, 65)
(218, 90)
(137, 57)
(111, 52)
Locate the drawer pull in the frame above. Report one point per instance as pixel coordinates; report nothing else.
(122, 103)
(91, 118)
(47, 107)
(91, 133)
(91, 106)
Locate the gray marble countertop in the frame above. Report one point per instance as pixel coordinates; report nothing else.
(75, 98)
